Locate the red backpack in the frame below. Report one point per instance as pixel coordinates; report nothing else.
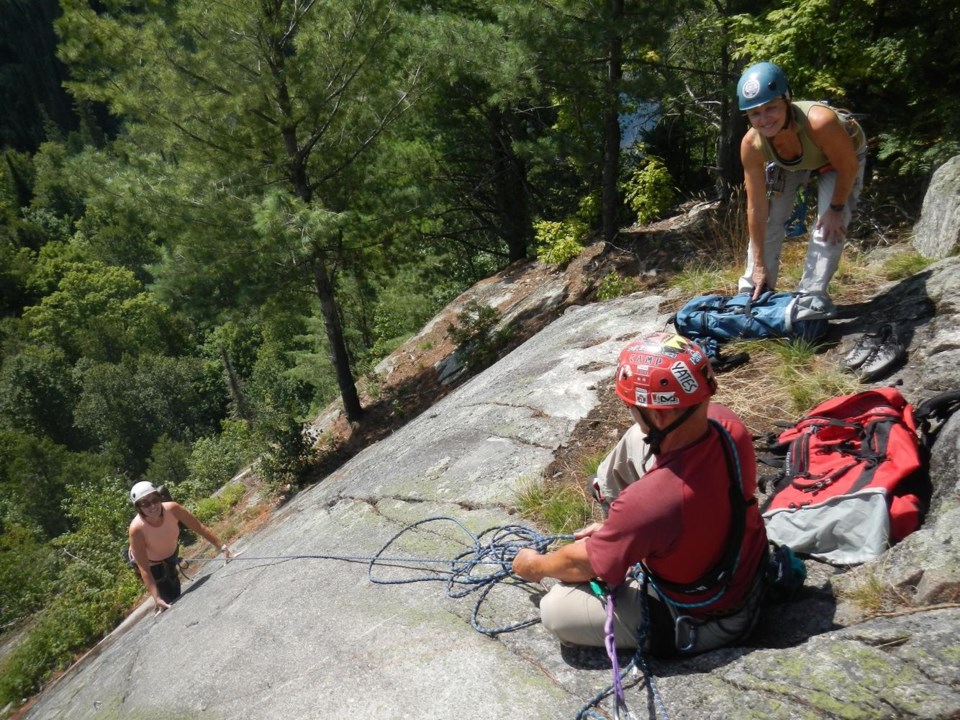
(854, 480)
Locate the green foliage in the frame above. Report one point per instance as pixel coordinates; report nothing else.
(103, 313)
(649, 191)
(561, 509)
(213, 508)
(89, 595)
(35, 475)
(903, 265)
(703, 279)
(403, 307)
(129, 406)
(476, 336)
(559, 242)
(38, 392)
(82, 612)
(805, 382)
(216, 459)
(27, 572)
(614, 285)
(592, 463)
(168, 462)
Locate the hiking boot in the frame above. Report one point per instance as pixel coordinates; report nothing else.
(868, 344)
(882, 360)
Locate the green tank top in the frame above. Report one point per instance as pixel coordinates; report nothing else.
(811, 156)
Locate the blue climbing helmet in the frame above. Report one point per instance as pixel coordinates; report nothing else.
(760, 84)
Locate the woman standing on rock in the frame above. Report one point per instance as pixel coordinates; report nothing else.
(787, 143)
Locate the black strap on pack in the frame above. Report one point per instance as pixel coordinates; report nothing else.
(933, 412)
(721, 573)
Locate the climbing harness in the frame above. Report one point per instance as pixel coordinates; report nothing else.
(720, 575)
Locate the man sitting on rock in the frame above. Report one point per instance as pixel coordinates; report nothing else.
(689, 521)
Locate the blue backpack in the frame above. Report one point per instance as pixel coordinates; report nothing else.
(710, 320)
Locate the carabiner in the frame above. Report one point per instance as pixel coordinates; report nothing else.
(690, 634)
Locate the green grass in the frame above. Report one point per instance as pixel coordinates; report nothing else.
(560, 509)
(705, 280)
(591, 463)
(869, 596)
(804, 378)
(904, 265)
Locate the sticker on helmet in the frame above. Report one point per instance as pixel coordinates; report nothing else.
(751, 87)
(667, 398)
(640, 397)
(695, 356)
(677, 342)
(686, 379)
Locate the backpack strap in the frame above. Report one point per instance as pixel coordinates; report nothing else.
(933, 412)
(720, 575)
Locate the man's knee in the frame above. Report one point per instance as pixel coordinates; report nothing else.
(567, 611)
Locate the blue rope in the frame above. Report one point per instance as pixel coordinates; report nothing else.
(478, 569)
(496, 546)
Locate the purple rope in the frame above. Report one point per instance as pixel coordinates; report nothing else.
(611, 646)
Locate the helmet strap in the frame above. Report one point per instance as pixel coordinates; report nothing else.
(656, 436)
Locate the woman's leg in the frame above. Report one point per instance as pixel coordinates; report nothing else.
(823, 258)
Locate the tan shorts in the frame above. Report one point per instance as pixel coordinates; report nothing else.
(577, 616)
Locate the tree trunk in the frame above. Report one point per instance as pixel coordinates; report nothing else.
(611, 127)
(732, 126)
(323, 285)
(510, 188)
(236, 392)
(338, 347)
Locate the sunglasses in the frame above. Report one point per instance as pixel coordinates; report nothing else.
(149, 502)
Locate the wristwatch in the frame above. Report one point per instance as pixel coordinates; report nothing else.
(837, 207)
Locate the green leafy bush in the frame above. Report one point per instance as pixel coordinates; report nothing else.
(559, 242)
(476, 335)
(215, 460)
(650, 190)
(215, 507)
(614, 285)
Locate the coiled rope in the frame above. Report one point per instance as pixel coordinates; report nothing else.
(477, 570)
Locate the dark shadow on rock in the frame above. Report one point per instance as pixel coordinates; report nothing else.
(583, 657)
(194, 585)
(906, 304)
(792, 623)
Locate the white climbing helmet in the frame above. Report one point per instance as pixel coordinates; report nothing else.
(139, 491)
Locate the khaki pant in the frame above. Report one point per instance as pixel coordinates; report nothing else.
(576, 616)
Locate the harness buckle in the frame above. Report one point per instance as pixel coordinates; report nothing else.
(685, 633)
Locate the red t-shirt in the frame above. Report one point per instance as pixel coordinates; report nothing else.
(677, 518)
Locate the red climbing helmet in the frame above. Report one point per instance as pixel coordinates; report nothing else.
(662, 371)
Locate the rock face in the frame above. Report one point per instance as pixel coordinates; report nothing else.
(938, 230)
(301, 626)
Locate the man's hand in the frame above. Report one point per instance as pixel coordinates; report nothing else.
(161, 605)
(759, 280)
(587, 531)
(526, 565)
